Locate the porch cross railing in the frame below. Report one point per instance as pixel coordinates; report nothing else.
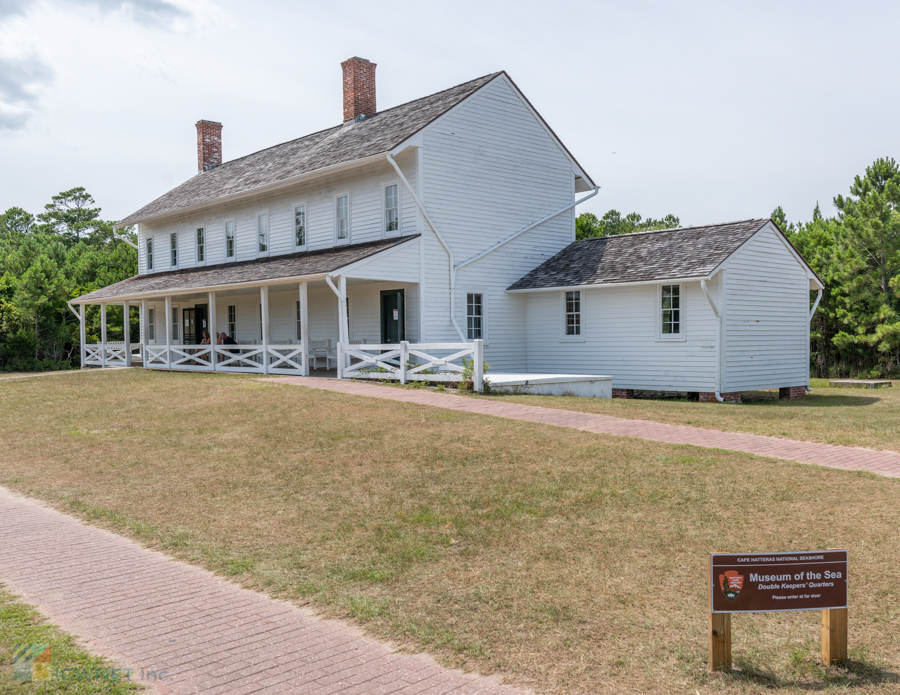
(412, 362)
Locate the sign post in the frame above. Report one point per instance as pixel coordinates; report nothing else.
(775, 582)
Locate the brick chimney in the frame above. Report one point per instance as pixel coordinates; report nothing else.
(209, 145)
(359, 88)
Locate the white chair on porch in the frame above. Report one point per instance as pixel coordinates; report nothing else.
(321, 348)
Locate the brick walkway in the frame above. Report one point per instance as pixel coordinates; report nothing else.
(145, 610)
(885, 463)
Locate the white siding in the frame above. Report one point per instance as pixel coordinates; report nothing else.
(767, 316)
(490, 169)
(620, 338)
(365, 187)
(365, 311)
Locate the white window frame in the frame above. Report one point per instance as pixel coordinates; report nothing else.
(148, 254)
(305, 245)
(384, 209)
(679, 337)
(260, 213)
(232, 325)
(233, 256)
(563, 315)
(175, 324)
(338, 241)
(200, 246)
(484, 312)
(151, 324)
(173, 250)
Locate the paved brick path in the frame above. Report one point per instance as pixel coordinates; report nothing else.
(145, 610)
(885, 463)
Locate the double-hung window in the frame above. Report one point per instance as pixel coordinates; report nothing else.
(173, 248)
(232, 320)
(151, 324)
(150, 254)
(670, 299)
(299, 226)
(201, 245)
(262, 232)
(573, 313)
(342, 217)
(391, 208)
(174, 324)
(229, 239)
(475, 316)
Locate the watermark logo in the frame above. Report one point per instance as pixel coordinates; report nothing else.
(31, 662)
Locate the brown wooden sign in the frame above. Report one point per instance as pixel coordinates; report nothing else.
(766, 582)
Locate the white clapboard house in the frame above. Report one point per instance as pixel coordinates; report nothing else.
(402, 241)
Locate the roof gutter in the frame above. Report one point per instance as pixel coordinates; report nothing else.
(201, 290)
(601, 285)
(255, 191)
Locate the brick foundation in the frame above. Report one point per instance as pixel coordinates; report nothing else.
(709, 397)
(792, 393)
(623, 393)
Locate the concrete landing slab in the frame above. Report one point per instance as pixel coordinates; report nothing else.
(589, 385)
(861, 383)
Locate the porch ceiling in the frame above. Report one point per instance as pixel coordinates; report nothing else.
(261, 270)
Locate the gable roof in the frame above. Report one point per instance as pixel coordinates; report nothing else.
(341, 144)
(289, 265)
(659, 255)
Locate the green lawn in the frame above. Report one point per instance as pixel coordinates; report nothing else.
(568, 561)
(79, 672)
(852, 417)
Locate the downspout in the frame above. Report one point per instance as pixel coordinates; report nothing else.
(808, 348)
(528, 228)
(440, 238)
(122, 237)
(718, 340)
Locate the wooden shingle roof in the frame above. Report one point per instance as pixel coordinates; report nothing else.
(378, 133)
(289, 265)
(659, 255)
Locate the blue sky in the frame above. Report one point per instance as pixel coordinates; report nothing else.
(712, 111)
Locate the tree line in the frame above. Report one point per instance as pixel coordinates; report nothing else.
(45, 260)
(68, 250)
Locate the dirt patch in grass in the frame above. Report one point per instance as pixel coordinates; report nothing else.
(568, 561)
(850, 417)
(71, 668)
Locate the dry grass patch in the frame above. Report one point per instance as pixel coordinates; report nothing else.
(571, 562)
(851, 417)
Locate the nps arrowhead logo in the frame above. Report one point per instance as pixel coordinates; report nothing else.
(731, 584)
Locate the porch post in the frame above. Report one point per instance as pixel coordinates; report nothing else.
(145, 333)
(345, 321)
(212, 330)
(126, 330)
(103, 334)
(264, 303)
(167, 319)
(304, 328)
(82, 332)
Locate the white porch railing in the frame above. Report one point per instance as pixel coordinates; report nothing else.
(411, 362)
(114, 354)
